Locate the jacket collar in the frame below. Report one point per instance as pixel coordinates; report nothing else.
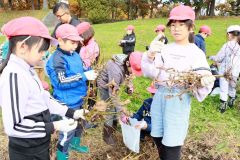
(199, 36)
(20, 62)
(64, 52)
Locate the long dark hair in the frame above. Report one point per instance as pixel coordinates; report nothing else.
(30, 42)
(126, 64)
(189, 23)
(87, 35)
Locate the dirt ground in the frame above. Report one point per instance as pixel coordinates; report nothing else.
(194, 149)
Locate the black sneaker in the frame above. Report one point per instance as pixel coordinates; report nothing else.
(231, 102)
(223, 107)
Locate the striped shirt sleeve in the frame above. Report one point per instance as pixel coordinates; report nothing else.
(16, 98)
(56, 107)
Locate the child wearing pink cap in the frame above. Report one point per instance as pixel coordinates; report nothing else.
(160, 31)
(116, 70)
(26, 106)
(90, 50)
(68, 79)
(199, 39)
(89, 53)
(170, 116)
(160, 40)
(128, 41)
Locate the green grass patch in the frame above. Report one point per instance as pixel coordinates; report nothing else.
(108, 35)
(6, 16)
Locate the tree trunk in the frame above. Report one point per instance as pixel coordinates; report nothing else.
(197, 11)
(32, 3)
(45, 4)
(208, 8)
(1, 3)
(128, 9)
(136, 12)
(38, 4)
(212, 7)
(151, 9)
(10, 4)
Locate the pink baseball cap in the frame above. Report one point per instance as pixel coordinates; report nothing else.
(68, 31)
(130, 27)
(160, 27)
(182, 12)
(152, 89)
(135, 62)
(83, 27)
(205, 29)
(26, 26)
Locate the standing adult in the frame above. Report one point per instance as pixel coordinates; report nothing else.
(62, 12)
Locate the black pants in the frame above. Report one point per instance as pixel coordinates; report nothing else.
(16, 155)
(167, 153)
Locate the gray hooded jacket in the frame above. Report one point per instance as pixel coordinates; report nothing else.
(113, 70)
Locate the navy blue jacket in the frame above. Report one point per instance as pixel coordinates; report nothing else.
(129, 45)
(144, 113)
(200, 42)
(67, 77)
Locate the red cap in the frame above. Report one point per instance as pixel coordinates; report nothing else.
(160, 27)
(130, 27)
(205, 29)
(26, 26)
(83, 27)
(135, 62)
(152, 89)
(182, 12)
(68, 31)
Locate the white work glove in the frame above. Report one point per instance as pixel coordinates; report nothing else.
(91, 75)
(141, 125)
(211, 58)
(65, 125)
(151, 54)
(80, 113)
(207, 80)
(123, 41)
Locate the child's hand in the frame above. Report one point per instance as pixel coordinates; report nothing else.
(80, 113)
(123, 41)
(65, 125)
(207, 80)
(151, 55)
(129, 90)
(91, 75)
(141, 125)
(124, 118)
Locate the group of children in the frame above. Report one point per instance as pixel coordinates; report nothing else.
(27, 107)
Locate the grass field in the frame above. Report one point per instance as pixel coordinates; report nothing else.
(5, 16)
(211, 135)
